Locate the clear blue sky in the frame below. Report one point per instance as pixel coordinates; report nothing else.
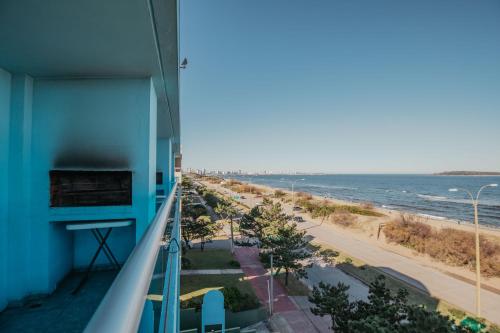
(341, 86)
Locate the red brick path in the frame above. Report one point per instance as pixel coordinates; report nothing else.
(256, 274)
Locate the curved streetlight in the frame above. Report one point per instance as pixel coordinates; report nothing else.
(475, 203)
(293, 195)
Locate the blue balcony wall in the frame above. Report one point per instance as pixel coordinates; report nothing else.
(19, 228)
(5, 87)
(95, 124)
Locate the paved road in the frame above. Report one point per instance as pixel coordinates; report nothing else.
(438, 284)
(321, 272)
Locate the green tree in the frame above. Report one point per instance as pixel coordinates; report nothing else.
(206, 229)
(288, 246)
(324, 211)
(249, 226)
(189, 215)
(187, 183)
(271, 218)
(333, 301)
(227, 211)
(202, 228)
(383, 313)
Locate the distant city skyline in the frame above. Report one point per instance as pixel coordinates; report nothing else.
(341, 87)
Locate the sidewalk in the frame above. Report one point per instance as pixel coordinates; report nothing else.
(257, 275)
(287, 317)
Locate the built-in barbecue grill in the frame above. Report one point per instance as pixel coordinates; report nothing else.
(75, 188)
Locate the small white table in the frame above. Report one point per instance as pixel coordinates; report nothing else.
(94, 226)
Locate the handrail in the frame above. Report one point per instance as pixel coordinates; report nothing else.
(169, 318)
(122, 306)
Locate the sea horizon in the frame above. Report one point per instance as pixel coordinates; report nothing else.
(426, 195)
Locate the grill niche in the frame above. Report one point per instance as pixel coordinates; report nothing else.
(75, 188)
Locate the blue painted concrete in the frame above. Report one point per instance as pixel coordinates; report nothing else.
(89, 124)
(5, 86)
(212, 310)
(165, 163)
(19, 226)
(96, 124)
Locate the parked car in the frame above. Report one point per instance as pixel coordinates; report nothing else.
(297, 209)
(298, 219)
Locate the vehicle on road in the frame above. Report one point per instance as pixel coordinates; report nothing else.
(298, 219)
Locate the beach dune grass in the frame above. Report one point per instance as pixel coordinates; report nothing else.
(317, 208)
(450, 246)
(239, 187)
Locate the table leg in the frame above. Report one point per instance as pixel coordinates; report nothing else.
(106, 249)
(89, 268)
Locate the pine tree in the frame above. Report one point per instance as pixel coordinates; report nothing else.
(206, 229)
(288, 246)
(383, 313)
(227, 211)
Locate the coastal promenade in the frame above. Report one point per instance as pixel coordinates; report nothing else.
(436, 283)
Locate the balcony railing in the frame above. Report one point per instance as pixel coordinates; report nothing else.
(169, 318)
(122, 306)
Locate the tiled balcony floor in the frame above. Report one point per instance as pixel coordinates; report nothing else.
(61, 311)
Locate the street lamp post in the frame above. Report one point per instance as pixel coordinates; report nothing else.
(293, 195)
(475, 203)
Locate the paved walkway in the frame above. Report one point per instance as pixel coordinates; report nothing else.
(288, 317)
(258, 277)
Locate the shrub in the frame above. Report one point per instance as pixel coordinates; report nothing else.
(236, 301)
(494, 329)
(367, 205)
(213, 179)
(191, 303)
(408, 232)
(240, 187)
(328, 255)
(211, 198)
(279, 194)
(458, 314)
(318, 208)
(451, 246)
(234, 263)
(343, 218)
(185, 263)
(304, 195)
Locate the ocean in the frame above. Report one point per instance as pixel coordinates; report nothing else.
(426, 195)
